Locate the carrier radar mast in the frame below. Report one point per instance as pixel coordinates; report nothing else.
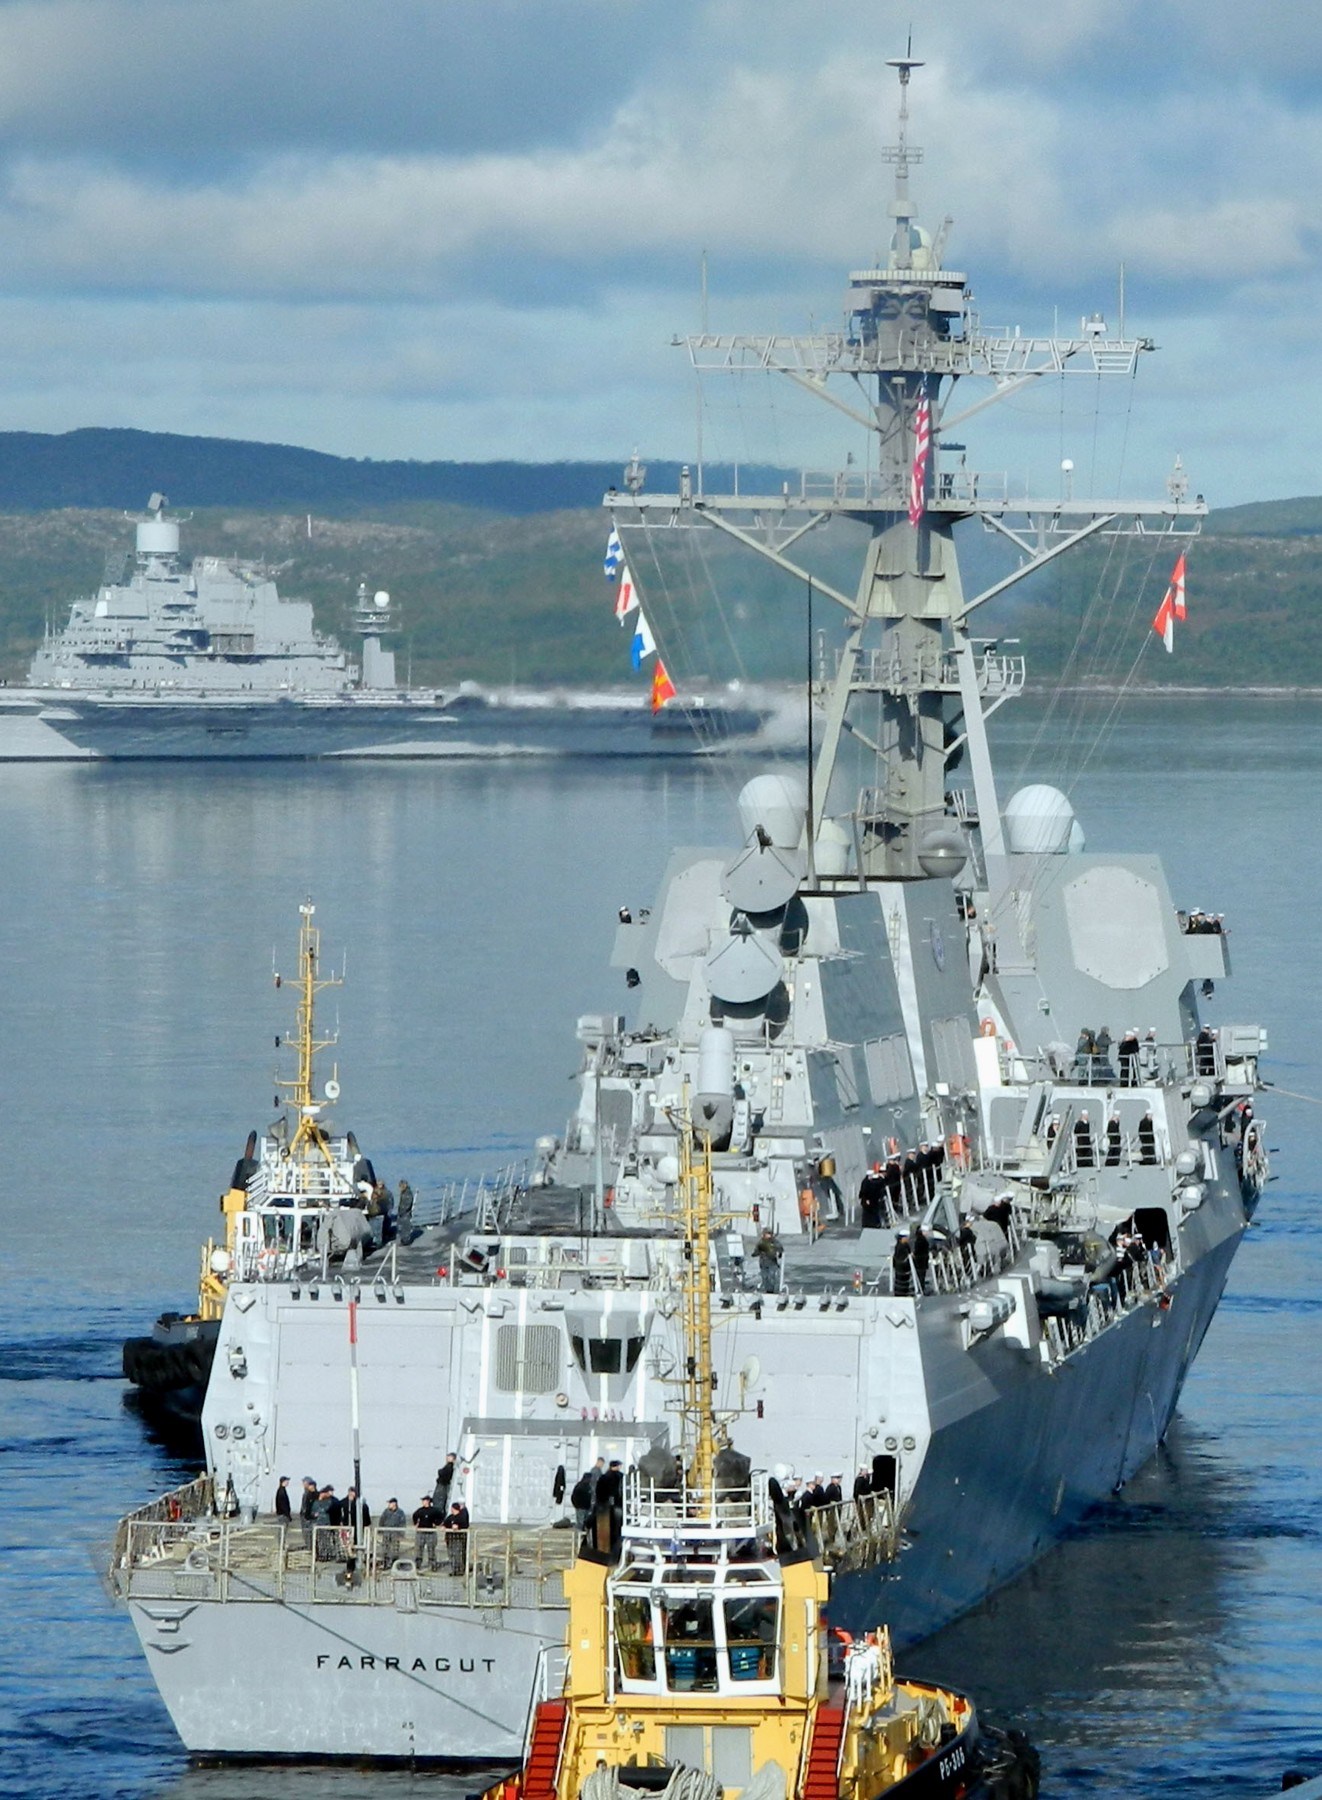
(912, 689)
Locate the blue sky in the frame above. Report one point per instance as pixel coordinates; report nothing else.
(443, 229)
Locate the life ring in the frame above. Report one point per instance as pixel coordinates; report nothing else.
(987, 1028)
(842, 1636)
(266, 1260)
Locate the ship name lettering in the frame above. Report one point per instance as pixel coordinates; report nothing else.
(440, 1665)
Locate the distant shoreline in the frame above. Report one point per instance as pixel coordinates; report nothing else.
(1151, 690)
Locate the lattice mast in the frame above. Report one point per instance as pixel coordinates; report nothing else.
(911, 689)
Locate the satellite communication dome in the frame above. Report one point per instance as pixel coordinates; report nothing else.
(1039, 820)
(381, 599)
(779, 804)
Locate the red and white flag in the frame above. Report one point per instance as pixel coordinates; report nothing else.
(1172, 606)
(663, 688)
(922, 445)
(626, 600)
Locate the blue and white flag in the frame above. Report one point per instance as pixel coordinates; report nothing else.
(614, 554)
(643, 642)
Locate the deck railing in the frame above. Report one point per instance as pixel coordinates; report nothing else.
(228, 1560)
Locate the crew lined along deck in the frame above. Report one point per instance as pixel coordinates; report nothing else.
(178, 1548)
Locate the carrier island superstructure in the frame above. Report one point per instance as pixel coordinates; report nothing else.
(885, 964)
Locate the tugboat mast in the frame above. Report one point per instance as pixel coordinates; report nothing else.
(310, 1138)
(703, 1436)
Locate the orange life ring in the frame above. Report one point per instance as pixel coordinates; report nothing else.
(841, 1635)
(988, 1028)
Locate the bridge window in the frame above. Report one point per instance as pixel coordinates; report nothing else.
(750, 1637)
(690, 1645)
(633, 1637)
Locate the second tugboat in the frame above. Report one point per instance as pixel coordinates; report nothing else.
(698, 1657)
(299, 1197)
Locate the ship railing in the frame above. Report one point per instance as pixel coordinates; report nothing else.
(303, 1179)
(154, 1525)
(1106, 1302)
(652, 1511)
(490, 1198)
(237, 1561)
(549, 1681)
(951, 1271)
(999, 676)
(1130, 1151)
(857, 1534)
(1159, 1064)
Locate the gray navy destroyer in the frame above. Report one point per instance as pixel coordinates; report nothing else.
(972, 1228)
(202, 658)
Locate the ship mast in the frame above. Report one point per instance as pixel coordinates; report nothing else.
(912, 689)
(703, 1435)
(310, 1138)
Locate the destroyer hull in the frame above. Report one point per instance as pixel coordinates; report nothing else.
(980, 1516)
(344, 1681)
(453, 1685)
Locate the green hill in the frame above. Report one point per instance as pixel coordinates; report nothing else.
(512, 587)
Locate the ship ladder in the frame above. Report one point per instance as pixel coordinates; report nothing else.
(543, 1763)
(821, 1770)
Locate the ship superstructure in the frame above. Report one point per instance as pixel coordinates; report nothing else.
(974, 1225)
(300, 1194)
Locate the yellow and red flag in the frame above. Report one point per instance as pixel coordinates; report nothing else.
(663, 688)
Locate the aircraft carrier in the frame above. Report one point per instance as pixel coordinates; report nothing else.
(203, 659)
(973, 1223)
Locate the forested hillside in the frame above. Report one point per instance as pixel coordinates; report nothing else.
(512, 588)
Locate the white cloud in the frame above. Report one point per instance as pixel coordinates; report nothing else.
(473, 232)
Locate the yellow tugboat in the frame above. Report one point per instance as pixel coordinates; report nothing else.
(698, 1664)
(298, 1197)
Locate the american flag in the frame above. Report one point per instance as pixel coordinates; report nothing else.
(922, 445)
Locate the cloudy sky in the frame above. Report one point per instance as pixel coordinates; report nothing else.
(469, 228)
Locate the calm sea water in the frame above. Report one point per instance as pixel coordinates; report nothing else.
(1173, 1646)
